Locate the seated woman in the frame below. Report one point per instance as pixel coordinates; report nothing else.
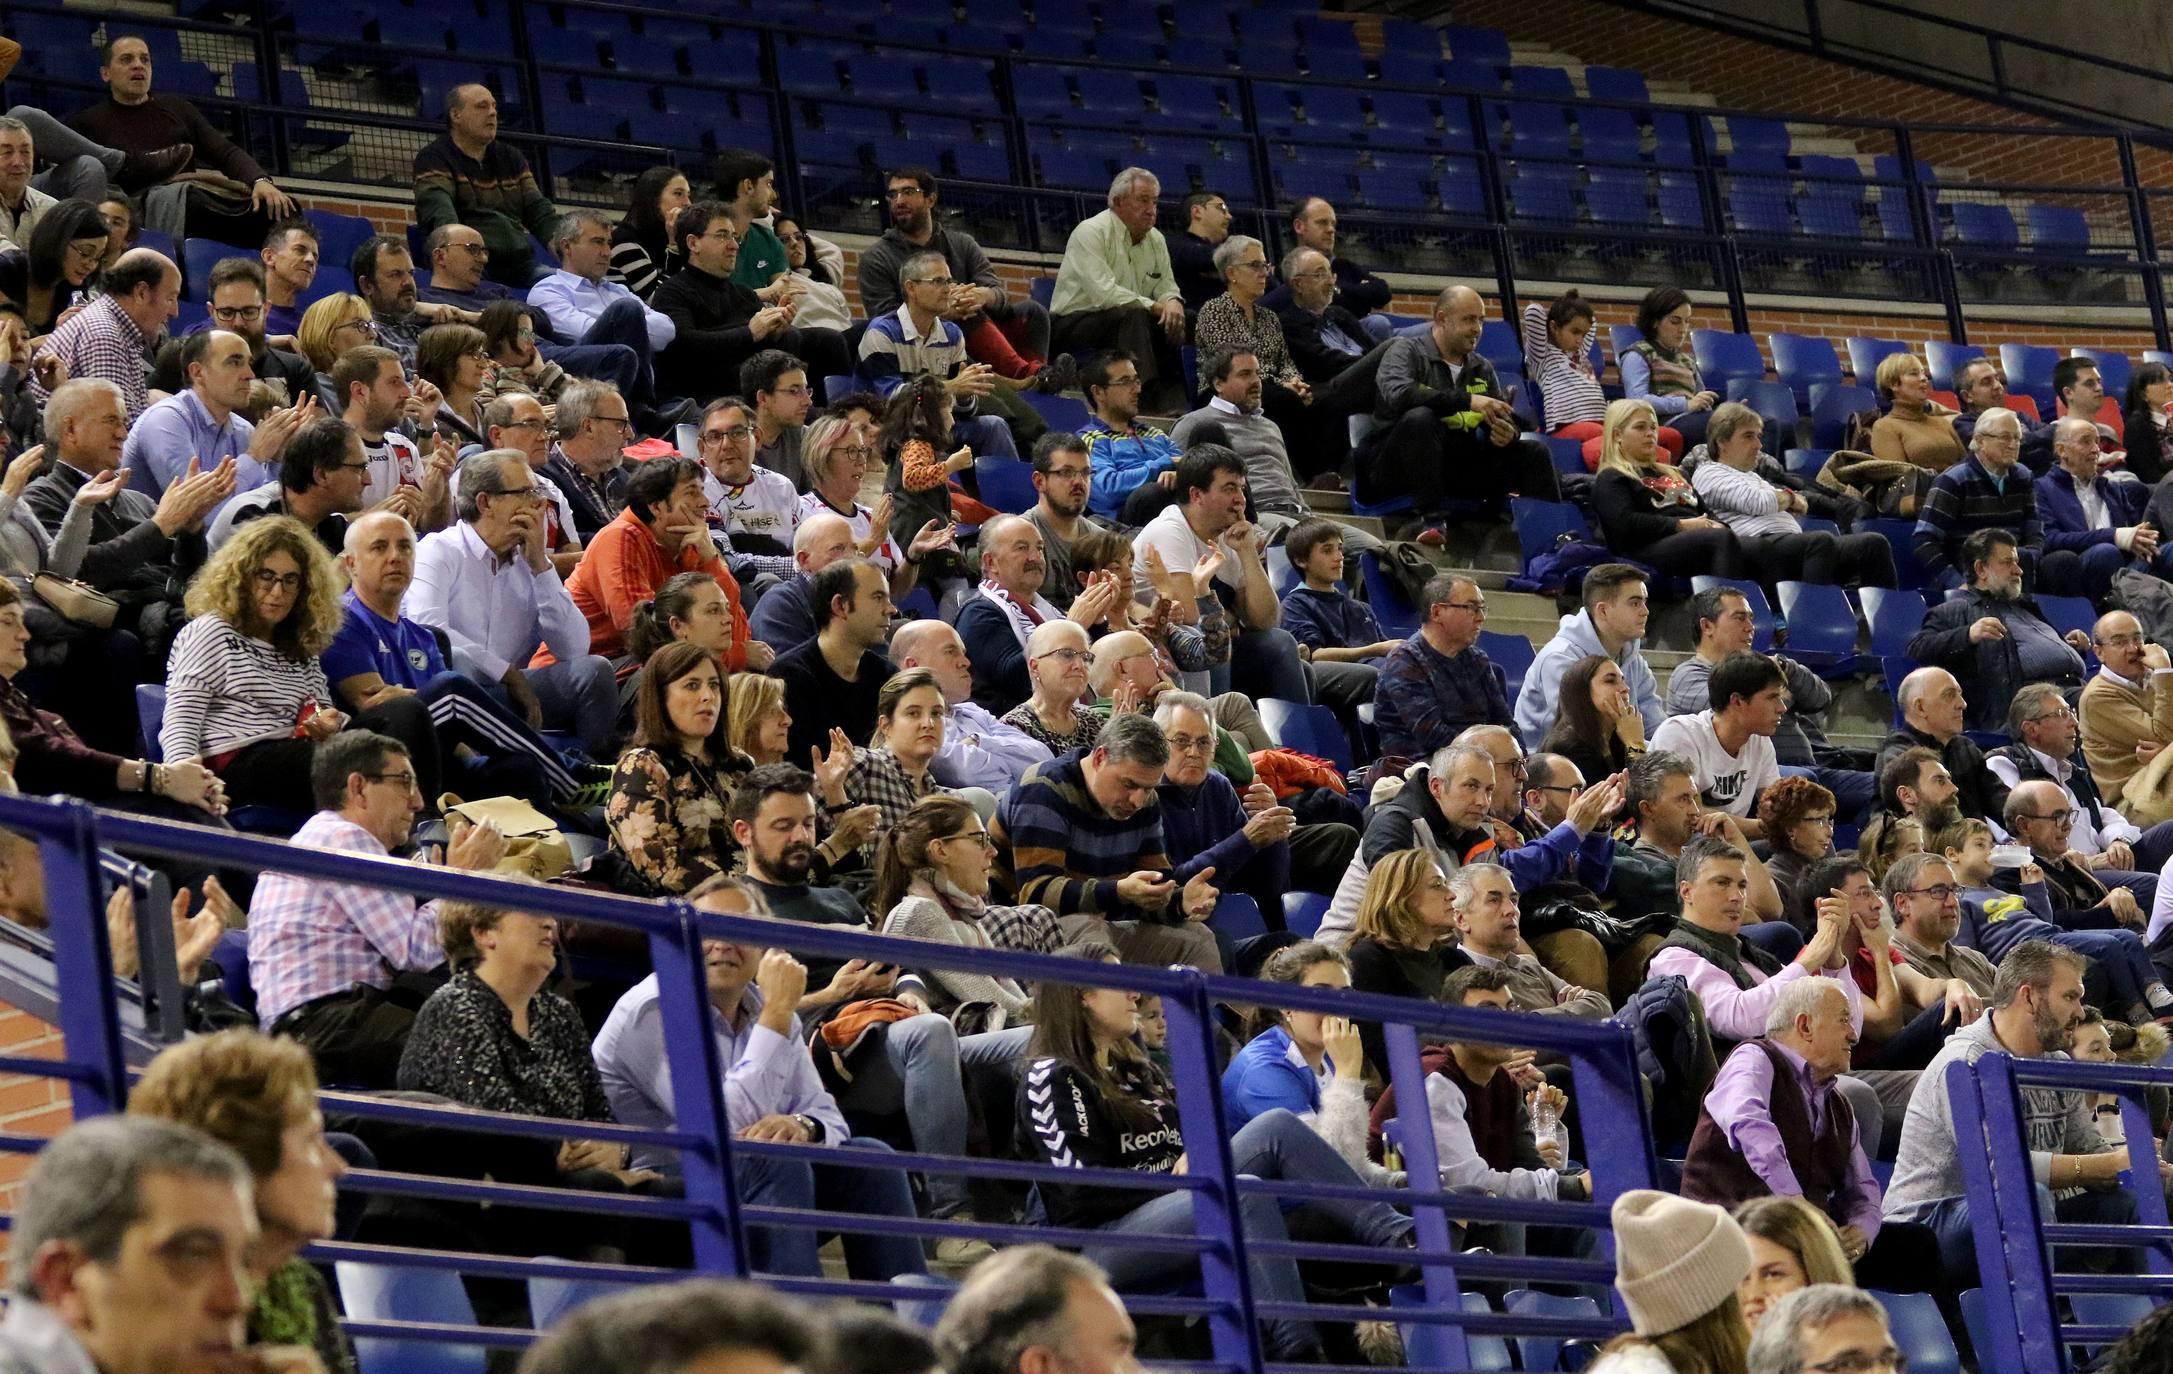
(332, 325)
(673, 785)
(641, 246)
(891, 774)
(2147, 422)
(517, 367)
(245, 694)
(1915, 429)
(1304, 1062)
(1403, 940)
(1647, 508)
(931, 876)
(688, 609)
(1792, 1246)
(1661, 368)
(493, 1039)
(1765, 514)
(1058, 662)
(821, 303)
(1797, 815)
(258, 1094)
(452, 358)
(1114, 1109)
(836, 453)
(42, 282)
(1560, 365)
(1597, 728)
(758, 725)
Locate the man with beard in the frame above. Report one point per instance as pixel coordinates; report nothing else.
(1992, 637)
(374, 394)
(1063, 471)
(237, 305)
(384, 273)
(918, 1071)
(2038, 814)
(2044, 737)
(997, 619)
(1010, 336)
(319, 483)
(1915, 785)
(2036, 1006)
(1932, 711)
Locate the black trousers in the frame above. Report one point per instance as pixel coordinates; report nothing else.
(1433, 463)
(276, 772)
(355, 1036)
(1903, 1258)
(1134, 329)
(1834, 560)
(1687, 553)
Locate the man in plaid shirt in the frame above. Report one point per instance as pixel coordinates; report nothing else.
(324, 957)
(110, 338)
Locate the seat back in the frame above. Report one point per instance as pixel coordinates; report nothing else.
(1899, 536)
(1307, 730)
(921, 1297)
(1513, 654)
(2114, 368)
(1821, 623)
(551, 1299)
(1540, 524)
(1801, 359)
(400, 1292)
(1723, 356)
(1548, 1352)
(1831, 407)
(1237, 916)
(1302, 913)
(151, 717)
(1921, 1332)
(1006, 484)
(1761, 613)
(1391, 606)
(1425, 1344)
(1865, 353)
(1894, 615)
(1942, 357)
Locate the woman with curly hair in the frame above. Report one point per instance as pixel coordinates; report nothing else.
(1797, 815)
(245, 694)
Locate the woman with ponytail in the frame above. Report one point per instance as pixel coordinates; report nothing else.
(688, 609)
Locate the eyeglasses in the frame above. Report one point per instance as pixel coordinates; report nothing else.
(1826, 821)
(902, 192)
(1262, 268)
(537, 423)
(944, 282)
(522, 495)
(89, 250)
(2062, 714)
(1998, 438)
(1861, 1362)
(1067, 655)
(266, 579)
(1317, 274)
(619, 422)
(1186, 744)
(2059, 817)
(1941, 892)
(404, 781)
(712, 437)
(793, 391)
(1477, 608)
(2121, 641)
(1069, 474)
(1114, 382)
(861, 451)
(977, 837)
(363, 325)
(238, 314)
(476, 249)
(352, 467)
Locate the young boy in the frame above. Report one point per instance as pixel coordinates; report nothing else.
(2121, 976)
(1329, 624)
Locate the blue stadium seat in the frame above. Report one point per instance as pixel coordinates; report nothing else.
(1391, 605)
(1459, 75)
(1471, 43)
(1759, 208)
(1774, 402)
(1307, 729)
(2060, 230)
(1193, 101)
(1609, 135)
(2029, 373)
(1332, 112)
(2099, 1309)
(550, 1300)
(1672, 139)
(957, 81)
(1895, 225)
(1545, 83)
(1006, 483)
(806, 69)
(1682, 202)
(1460, 188)
(1832, 175)
(1805, 462)
(1750, 134)
(1404, 66)
(1512, 653)
(1424, 1343)
(1921, 1332)
(1498, 345)
(1616, 83)
(2066, 613)
(1536, 130)
(1394, 186)
(1865, 353)
(1821, 625)
(1621, 338)
(1043, 92)
(1330, 48)
(1568, 455)
(338, 236)
(1405, 116)
(1237, 916)
(1723, 356)
(1548, 1352)
(579, 48)
(1942, 357)
(1899, 536)
(1802, 360)
(399, 1292)
(1977, 225)
(1059, 412)
(2114, 368)
(1831, 406)
(1760, 612)
(1616, 195)
(1833, 217)
(199, 256)
(1543, 192)
(191, 316)
(1541, 524)
(1302, 913)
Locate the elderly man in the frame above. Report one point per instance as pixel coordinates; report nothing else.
(203, 426)
(1825, 1326)
(110, 339)
(1234, 379)
(1082, 835)
(997, 619)
(917, 340)
(1933, 709)
(1033, 1308)
(979, 750)
(2036, 1006)
(2127, 708)
(22, 204)
(516, 421)
(1333, 348)
(1313, 225)
(2038, 815)
(1115, 289)
(2103, 523)
(1443, 424)
(2044, 739)
(586, 308)
(325, 958)
(106, 1210)
(1439, 682)
(784, 618)
(1247, 842)
(468, 175)
(593, 424)
(1994, 637)
(488, 583)
(1988, 490)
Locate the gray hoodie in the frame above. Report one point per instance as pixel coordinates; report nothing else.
(1536, 703)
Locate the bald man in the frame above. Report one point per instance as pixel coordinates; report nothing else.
(785, 616)
(979, 749)
(2127, 708)
(1932, 711)
(2102, 521)
(110, 338)
(1443, 425)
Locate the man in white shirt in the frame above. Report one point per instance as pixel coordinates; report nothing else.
(585, 308)
(488, 583)
(979, 750)
(2044, 736)
(1730, 744)
(771, 1093)
(755, 509)
(1115, 289)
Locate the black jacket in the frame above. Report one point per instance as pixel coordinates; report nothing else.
(1356, 290)
(711, 314)
(1981, 793)
(1317, 362)
(1991, 672)
(129, 558)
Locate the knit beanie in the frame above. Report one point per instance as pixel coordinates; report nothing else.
(1675, 1260)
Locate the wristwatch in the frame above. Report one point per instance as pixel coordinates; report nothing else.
(815, 1132)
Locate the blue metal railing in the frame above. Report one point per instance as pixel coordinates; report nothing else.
(2022, 1290)
(1605, 1079)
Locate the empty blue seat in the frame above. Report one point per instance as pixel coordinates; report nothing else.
(1761, 613)
(1833, 175)
(1401, 66)
(1804, 359)
(1469, 76)
(1616, 83)
(1759, 208)
(1498, 345)
(1537, 130)
(1307, 729)
(1329, 46)
(1774, 402)
(1984, 226)
(1006, 484)
(2057, 229)
(1043, 92)
(399, 1292)
(1942, 357)
(1192, 101)
(1393, 187)
(1920, 1332)
(199, 256)
(1616, 195)
(1302, 913)
(1865, 353)
(1832, 217)
(1821, 624)
(1831, 406)
(1237, 916)
(2029, 372)
(1610, 135)
(1543, 192)
(1894, 616)
(1472, 43)
(1895, 223)
(1391, 605)
(957, 81)
(1546, 1352)
(1723, 356)
(1900, 538)
(1682, 202)
(809, 70)
(1749, 134)
(1425, 1343)
(1110, 97)
(1672, 139)
(2065, 613)
(2114, 369)
(1460, 188)
(1548, 83)
(1513, 654)
(1333, 110)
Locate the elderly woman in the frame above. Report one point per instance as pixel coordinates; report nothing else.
(1661, 368)
(454, 359)
(1233, 322)
(1058, 662)
(1797, 815)
(836, 453)
(41, 281)
(333, 325)
(931, 876)
(258, 1094)
(1914, 430)
(1648, 506)
(1765, 513)
(245, 694)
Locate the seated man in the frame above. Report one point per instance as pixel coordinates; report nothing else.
(2036, 1005)
(1192, 253)
(380, 654)
(1612, 624)
(203, 425)
(1062, 478)
(375, 397)
(1923, 892)
(996, 620)
(585, 308)
(1980, 388)
(1730, 744)
(1332, 347)
(1664, 813)
(1233, 379)
(771, 1091)
(777, 383)
(1773, 1124)
(2044, 737)
(2127, 708)
(1130, 462)
(291, 254)
(2104, 523)
(141, 549)
(516, 421)
(1486, 915)
(916, 340)
(1115, 289)
(469, 175)
(1082, 835)
(751, 509)
(1826, 1324)
(384, 273)
(1988, 490)
(979, 750)
(238, 306)
(719, 324)
(2038, 815)
(1993, 638)
(1313, 225)
(1439, 682)
(459, 257)
(2079, 391)
(832, 681)
(343, 968)
(318, 482)
(1443, 424)
(110, 339)
(489, 584)
(586, 462)
(1932, 711)
(662, 531)
(784, 618)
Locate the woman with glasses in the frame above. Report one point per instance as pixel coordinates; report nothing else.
(1235, 322)
(245, 694)
(454, 359)
(1798, 817)
(1403, 942)
(330, 327)
(1059, 663)
(642, 252)
(837, 454)
(43, 282)
(518, 368)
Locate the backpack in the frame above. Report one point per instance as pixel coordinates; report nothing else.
(2148, 599)
(1562, 568)
(1406, 562)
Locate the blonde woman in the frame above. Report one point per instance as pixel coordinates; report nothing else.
(757, 726)
(1916, 430)
(245, 695)
(332, 326)
(1403, 942)
(1647, 508)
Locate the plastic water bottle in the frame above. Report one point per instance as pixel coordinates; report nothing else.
(1547, 1123)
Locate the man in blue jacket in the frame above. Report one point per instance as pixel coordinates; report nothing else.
(2103, 522)
(1611, 624)
(1128, 458)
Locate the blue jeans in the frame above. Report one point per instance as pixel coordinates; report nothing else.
(1273, 1145)
(987, 435)
(920, 1074)
(613, 363)
(1949, 1221)
(828, 1188)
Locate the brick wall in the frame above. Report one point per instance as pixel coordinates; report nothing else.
(28, 1105)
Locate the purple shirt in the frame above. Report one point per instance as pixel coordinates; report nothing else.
(1740, 1103)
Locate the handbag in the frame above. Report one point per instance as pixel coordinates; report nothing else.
(534, 848)
(78, 602)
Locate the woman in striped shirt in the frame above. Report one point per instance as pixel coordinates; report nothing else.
(1573, 406)
(245, 694)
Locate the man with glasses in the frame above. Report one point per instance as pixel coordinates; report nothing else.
(1332, 349)
(340, 967)
(720, 323)
(1063, 472)
(1551, 783)
(2040, 815)
(237, 306)
(1439, 683)
(319, 481)
(1115, 289)
(2044, 748)
(1011, 336)
(516, 421)
(202, 426)
(916, 341)
(1313, 225)
(586, 462)
(1988, 490)
(1827, 1328)
(1134, 465)
(586, 307)
(1994, 637)
(2104, 523)
(776, 382)
(1926, 899)
(2127, 708)
(755, 509)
